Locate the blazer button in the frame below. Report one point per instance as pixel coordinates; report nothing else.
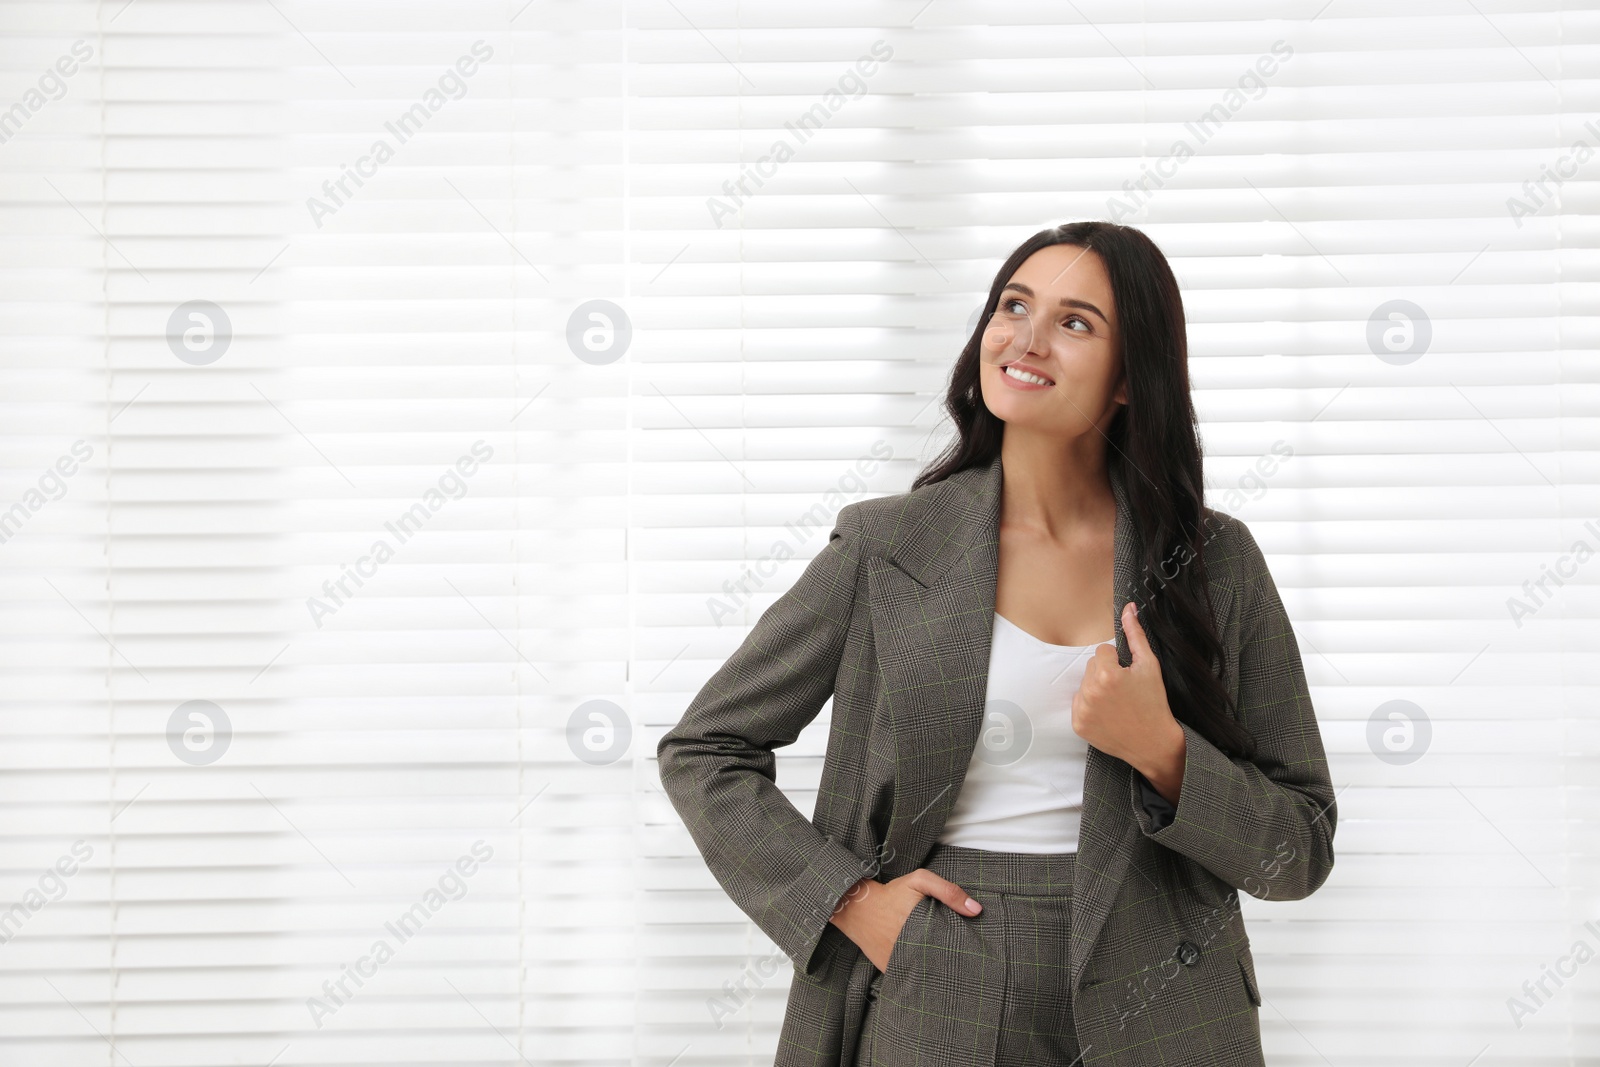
(1188, 954)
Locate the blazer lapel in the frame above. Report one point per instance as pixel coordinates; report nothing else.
(1107, 830)
(932, 594)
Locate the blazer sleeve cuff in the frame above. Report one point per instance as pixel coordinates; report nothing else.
(1154, 811)
(1213, 789)
(815, 941)
(1192, 827)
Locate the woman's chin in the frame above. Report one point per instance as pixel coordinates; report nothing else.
(1033, 410)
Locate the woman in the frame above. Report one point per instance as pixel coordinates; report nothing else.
(1029, 836)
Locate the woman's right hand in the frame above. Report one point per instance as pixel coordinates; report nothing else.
(871, 913)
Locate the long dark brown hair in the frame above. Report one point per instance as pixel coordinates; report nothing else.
(1154, 446)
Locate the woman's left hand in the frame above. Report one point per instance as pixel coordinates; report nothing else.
(1123, 711)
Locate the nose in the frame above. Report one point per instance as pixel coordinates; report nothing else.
(1038, 339)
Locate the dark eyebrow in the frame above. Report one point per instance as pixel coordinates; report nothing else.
(1066, 301)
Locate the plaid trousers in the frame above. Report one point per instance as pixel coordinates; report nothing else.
(991, 988)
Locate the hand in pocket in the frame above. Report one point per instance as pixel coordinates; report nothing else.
(872, 913)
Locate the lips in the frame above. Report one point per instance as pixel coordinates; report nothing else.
(1022, 366)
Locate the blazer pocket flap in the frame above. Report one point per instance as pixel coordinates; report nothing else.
(1247, 969)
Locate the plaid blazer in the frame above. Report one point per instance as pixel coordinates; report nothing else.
(893, 618)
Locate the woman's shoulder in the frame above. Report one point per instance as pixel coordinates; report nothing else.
(920, 530)
(958, 491)
(1231, 551)
(959, 487)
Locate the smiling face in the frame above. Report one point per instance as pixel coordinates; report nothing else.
(1051, 359)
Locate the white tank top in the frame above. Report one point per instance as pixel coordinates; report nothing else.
(1024, 786)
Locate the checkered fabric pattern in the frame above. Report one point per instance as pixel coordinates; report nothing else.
(893, 618)
(993, 988)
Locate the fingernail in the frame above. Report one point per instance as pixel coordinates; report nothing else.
(973, 906)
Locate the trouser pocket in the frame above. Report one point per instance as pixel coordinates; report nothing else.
(939, 999)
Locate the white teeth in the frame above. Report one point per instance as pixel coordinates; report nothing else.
(1022, 375)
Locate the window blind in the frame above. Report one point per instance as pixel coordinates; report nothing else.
(408, 406)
